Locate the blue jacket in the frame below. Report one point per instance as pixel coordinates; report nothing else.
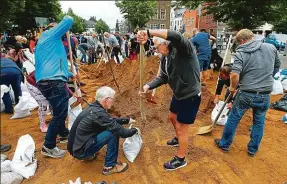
(201, 42)
(50, 56)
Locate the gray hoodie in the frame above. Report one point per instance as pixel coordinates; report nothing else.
(255, 61)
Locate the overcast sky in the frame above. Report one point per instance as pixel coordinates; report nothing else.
(105, 10)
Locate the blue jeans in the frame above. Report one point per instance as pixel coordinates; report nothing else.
(244, 101)
(84, 57)
(15, 81)
(98, 142)
(58, 97)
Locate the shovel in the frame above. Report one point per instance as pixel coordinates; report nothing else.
(209, 128)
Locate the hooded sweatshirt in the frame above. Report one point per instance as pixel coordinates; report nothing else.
(255, 61)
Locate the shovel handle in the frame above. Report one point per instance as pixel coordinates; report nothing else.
(220, 111)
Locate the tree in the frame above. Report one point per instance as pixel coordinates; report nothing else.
(280, 22)
(117, 26)
(93, 18)
(79, 25)
(36, 8)
(137, 12)
(101, 25)
(238, 14)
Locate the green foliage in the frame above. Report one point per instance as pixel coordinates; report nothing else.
(93, 18)
(137, 12)
(240, 14)
(79, 25)
(101, 25)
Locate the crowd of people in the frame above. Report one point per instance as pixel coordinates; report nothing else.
(183, 66)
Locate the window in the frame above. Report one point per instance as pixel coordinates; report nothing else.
(154, 26)
(162, 14)
(156, 15)
(192, 21)
(162, 26)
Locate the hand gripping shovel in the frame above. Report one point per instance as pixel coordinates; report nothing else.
(209, 128)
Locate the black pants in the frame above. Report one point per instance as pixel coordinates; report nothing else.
(115, 53)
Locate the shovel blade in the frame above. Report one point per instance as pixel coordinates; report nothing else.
(204, 130)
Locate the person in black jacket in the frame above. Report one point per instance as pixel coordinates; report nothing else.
(94, 128)
(179, 68)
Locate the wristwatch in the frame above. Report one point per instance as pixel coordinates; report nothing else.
(148, 34)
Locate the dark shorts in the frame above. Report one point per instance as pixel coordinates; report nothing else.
(186, 109)
(204, 64)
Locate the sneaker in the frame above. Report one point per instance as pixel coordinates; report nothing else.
(54, 153)
(174, 164)
(63, 140)
(217, 141)
(118, 168)
(173, 142)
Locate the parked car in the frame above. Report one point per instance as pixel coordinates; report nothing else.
(278, 40)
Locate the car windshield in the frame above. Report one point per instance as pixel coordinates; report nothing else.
(281, 37)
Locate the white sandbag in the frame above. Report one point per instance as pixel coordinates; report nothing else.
(73, 113)
(30, 56)
(11, 178)
(29, 67)
(223, 117)
(11, 92)
(21, 110)
(4, 89)
(32, 104)
(23, 161)
(132, 147)
(5, 166)
(284, 83)
(78, 181)
(277, 87)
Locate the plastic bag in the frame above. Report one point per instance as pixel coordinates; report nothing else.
(11, 178)
(223, 117)
(78, 181)
(3, 158)
(11, 92)
(284, 83)
(277, 87)
(21, 110)
(5, 166)
(132, 147)
(73, 113)
(23, 161)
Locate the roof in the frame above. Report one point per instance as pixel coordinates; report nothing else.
(90, 24)
(179, 12)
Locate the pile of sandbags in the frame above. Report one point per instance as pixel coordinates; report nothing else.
(7, 175)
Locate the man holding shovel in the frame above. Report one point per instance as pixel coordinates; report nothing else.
(180, 69)
(252, 70)
(51, 73)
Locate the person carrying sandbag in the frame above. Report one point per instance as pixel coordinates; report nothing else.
(94, 128)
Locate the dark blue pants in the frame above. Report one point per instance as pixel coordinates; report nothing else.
(15, 81)
(58, 97)
(243, 102)
(84, 56)
(98, 142)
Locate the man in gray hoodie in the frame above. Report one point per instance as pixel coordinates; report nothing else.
(252, 70)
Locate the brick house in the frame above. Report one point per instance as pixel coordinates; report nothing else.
(189, 20)
(161, 19)
(206, 21)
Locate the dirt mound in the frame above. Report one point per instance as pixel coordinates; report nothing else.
(206, 164)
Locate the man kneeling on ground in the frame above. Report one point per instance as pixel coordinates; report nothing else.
(94, 128)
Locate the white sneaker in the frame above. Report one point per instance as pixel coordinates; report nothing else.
(54, 153)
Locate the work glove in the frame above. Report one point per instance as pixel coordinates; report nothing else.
(131, 121)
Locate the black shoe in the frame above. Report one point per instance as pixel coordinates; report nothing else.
(82, 84)
(5, 147)
(251, 154)
(91, 158)
(217, 141)
(174, 164)
(173, 142)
